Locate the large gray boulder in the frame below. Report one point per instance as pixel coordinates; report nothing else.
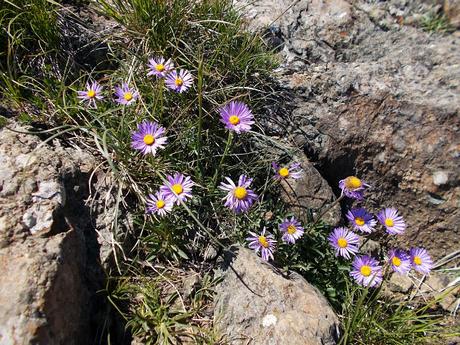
(49, 255)
(373, 97)
(256, 304)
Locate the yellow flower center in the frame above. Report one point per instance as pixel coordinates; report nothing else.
(240, 193)
(342, 243)
(284, 172)
(160, 204)
(359, 221)
(263, 241)
(396, 261)
(91, 94)
(149, 139)
(160, 67)
(128, 96)
(177, 188)
(352, 182)
(417, 260)
(291, 229)
(389, 222)
(234, 120)
(178, 82)
(366, 270)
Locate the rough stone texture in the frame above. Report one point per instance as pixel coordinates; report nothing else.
(310, 192)
(452, 11)
(48, 250)
(436, 286)
(257, 305)
(373, 97)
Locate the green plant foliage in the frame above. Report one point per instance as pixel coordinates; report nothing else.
(373, 319)
(433, 22)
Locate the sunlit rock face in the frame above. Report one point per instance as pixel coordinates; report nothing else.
(365, 91)
(257, 304)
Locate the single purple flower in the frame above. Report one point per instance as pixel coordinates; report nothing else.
(125, 95)
(399, 261)
(421, 260)
(293, 170)
(361, 220)
(178, 187)
(160, 67)
(353, 187)
(148, 138)
(159, 204)
(237, 117)
(366, 271)
(265, 243)
(93, 92)
(393, 223)
(239, 197)
(179, 81)
(292, 230)
(344, 241)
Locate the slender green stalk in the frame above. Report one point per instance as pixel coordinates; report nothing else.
(197, 221)
(200, 115)
(227, 147)
(327, 209)
(160, 99)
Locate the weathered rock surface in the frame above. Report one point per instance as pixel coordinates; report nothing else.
(377, 100)
(48, 249)
(312, 193)
(446, 290)
(452, 11)
(257, 305)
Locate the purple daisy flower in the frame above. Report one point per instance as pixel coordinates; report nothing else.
(159, 67)
(159, 204)
(148, 138)
(93, 92)
(292, 230)
(344, 241)
(239, 197)
(399, 260)
(237, 117)
(265, 243)
(353, 187)
(125, 95)
(393, 223)
(179, 187)
(361, 220)
(366, 271)
(421, 260)
(281, 172)
(179, 82)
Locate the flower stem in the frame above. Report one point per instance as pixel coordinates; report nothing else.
(227, 147)
(327, 209)
(161, 85)
(200, 115)
(197, 221)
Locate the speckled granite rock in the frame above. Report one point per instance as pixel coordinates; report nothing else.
(257, 305)
(49, 253)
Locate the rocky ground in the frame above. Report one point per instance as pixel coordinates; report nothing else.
(373, 94)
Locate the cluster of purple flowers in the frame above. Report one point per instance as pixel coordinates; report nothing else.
(176, 80)
(149, 137)
(177, 189)
(265, 243)
(366, 270)
(240, 198)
